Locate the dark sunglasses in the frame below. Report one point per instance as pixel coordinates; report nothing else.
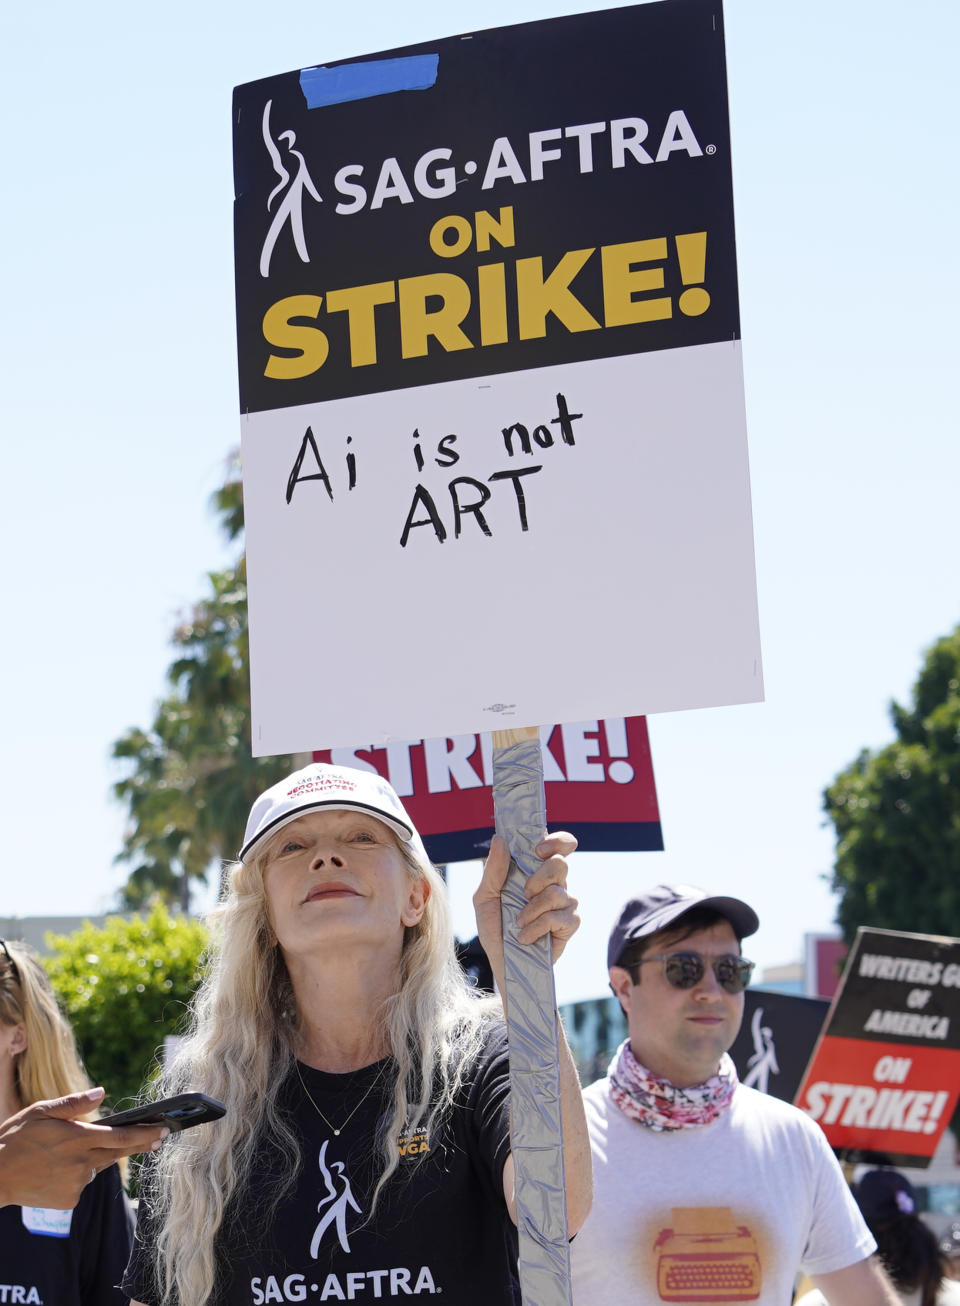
(684, 970)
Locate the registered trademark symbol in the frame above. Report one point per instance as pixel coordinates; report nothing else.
(711, 149)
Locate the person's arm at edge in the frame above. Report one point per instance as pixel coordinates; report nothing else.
(549, 910)
(862, 1284)
(48, 1156)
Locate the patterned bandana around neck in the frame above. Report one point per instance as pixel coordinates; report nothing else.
(660, 1105)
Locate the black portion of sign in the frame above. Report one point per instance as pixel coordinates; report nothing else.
(900, 988)
(591, 836)
(773, 1048)
(650, 62)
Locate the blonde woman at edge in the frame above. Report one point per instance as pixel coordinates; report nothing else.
(365, 1153)
(68, 1257)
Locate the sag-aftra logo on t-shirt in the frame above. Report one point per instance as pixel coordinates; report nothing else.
(339, 1216)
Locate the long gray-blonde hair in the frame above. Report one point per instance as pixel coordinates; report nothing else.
(49, 1065)
(240, 1049)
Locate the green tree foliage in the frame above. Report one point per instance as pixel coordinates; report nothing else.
(190, 777)
(125, 987)
(897, 813)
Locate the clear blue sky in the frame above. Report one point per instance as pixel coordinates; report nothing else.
(119, 403)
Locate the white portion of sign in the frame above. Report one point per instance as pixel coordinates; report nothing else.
(630, 591)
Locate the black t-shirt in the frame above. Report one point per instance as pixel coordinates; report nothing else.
(68, 1258)
(441, 1226)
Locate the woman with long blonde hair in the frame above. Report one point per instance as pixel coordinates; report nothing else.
(366, 1145)
(70, 1257)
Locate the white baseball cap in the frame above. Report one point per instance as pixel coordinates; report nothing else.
(320, 786)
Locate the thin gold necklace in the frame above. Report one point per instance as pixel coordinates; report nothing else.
(336, 1132)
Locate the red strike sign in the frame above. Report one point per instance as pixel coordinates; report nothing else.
(885, 1077)
(882, 1097)
(598, 777)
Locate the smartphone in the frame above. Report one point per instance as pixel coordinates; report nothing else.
(181, 1112)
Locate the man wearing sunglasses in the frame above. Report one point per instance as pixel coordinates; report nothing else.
(705, 1190)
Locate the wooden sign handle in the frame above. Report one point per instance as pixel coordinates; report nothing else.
(504, 738)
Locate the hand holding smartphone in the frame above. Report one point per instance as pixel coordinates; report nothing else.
(177, 1113)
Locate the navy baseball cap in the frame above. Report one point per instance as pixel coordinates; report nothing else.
(662, 905)
(885, 1195)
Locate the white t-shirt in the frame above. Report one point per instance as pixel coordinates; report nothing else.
(725, 1212)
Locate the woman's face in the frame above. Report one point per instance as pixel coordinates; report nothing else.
(338, 877)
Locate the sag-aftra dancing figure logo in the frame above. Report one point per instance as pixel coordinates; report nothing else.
(332, 1208)
(291, 188)
(763, 1062)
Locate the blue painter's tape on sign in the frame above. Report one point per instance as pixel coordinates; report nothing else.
(360, 81)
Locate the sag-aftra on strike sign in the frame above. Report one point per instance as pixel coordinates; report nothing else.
(490, 369)
(885, 1077)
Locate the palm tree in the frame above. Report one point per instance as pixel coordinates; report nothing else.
(190, 778)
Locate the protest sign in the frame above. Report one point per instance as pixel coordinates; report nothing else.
(494, 453)
(777, 1035)
(598, 777)
(885, 1077)
(489, 371)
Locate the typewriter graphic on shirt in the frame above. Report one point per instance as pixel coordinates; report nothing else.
(706, 1256)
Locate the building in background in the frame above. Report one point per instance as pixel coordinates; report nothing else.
(33, 930)
(787, 979)
(595, 1028)
(823, 959)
